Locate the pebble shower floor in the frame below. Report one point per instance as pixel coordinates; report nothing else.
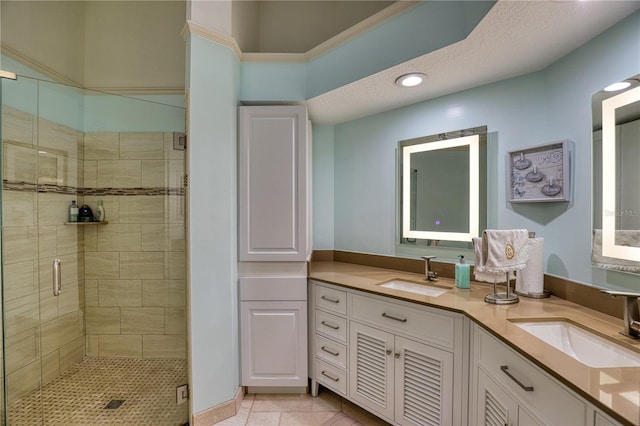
(79, 396)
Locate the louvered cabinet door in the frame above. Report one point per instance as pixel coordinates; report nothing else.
(495, 407)
(371, 364)
(424, 384)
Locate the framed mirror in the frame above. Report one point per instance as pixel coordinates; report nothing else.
(443, 188)
(616, 156)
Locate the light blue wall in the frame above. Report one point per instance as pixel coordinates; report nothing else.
(266, 81)
(425, 28)
(103, 112)
(213, 80)
(550, 105)
(365, 153)
(88, 111)
(322, 182)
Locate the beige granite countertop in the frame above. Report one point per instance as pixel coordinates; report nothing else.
(614, 390)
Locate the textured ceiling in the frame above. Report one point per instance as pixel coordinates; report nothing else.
(514, 38)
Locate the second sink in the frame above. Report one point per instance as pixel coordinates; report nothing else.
(411, 287)
(584, 346)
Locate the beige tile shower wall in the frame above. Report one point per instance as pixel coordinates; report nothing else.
(135, 265)
(44, 334)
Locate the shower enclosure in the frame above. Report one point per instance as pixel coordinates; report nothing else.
(111, 347)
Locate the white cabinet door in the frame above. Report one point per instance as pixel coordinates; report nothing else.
(371, 364)
(274, 342)
(495, 406)
(424, 384)
(273, 192)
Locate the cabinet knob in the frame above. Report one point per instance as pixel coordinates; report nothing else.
(397, 355)
(389, 351)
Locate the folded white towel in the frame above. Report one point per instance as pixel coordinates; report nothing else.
(504, 250)
(479, 271)
(623, 237)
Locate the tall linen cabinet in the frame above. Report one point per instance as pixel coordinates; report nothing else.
(274, 244)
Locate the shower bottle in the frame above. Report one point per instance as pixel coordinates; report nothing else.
(73, 212)
(100, 214)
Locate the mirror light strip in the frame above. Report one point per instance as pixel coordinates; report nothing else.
(609, 210)
(474, 189)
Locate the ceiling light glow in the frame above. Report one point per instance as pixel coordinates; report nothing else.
(410, 80)
(617, 86)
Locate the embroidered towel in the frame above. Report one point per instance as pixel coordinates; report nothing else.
(504, 250)
(479, 271)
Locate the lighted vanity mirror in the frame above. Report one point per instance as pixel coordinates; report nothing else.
(616, 160)
(443, 188)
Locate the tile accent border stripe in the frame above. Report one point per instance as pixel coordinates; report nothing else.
(70, 190)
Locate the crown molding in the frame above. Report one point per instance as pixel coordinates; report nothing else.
(273, 57)
(56, 77)
(37, 66)
(362, 27)
(135, 90)
(211, 35)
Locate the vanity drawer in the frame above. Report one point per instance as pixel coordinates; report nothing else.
(331, 299)
(542, 394)
(332, 377)
(422, 324)
(331, 351)
(331, 325)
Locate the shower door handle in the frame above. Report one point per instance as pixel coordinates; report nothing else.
(57, 277)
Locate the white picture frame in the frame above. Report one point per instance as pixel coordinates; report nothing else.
(539, 173)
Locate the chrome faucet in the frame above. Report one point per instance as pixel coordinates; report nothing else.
(429, 275)
(631, 313)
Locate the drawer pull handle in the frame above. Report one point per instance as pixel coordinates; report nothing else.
(329, 351)
(330, 299)
(335, 327)
(386, 315)
(505, 370)
(335, 379)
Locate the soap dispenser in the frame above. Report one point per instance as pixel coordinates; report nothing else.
(463, 274)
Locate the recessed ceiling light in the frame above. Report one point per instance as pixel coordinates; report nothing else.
(410, 80)
(617, 86)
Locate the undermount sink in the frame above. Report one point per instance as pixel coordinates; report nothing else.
(586, 347)
(417, 288)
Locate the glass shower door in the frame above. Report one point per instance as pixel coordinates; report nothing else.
(21, 252)
(111, 347)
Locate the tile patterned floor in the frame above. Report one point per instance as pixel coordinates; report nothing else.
(78, 397)
(297, 410)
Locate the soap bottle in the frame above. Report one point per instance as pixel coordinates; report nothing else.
(100, 214)
(73, 212)
(463, 274)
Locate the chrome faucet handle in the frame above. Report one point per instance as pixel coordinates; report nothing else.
(429, 275)
(631, 312)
